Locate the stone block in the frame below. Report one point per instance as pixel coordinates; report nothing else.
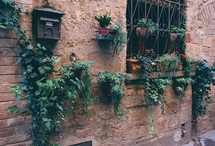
(161, 125)
(171, 106)
(171, 138)
(185, 116)
(131, 101)
(140, 114)
(207, 42)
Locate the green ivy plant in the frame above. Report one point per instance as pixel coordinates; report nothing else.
(201, 87)
(120, 38)
(180, 85)
(45, 96)
(79, 69)
(113, 84)
(153, 88)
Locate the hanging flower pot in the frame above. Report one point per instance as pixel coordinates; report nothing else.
(142, 33)
(173, 37)
(133, 66)
(103, 31)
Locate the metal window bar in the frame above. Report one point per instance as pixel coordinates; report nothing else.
(165, 13)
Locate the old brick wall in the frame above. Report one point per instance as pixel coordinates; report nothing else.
(15, 129)
(201, 45)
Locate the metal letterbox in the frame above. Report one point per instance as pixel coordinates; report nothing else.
(47, 23)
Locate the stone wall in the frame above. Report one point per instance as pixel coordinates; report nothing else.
(201, 45)
(78, 36)
(102, 129)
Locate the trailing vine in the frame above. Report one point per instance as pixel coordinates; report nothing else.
(201, 88)
(153, 88)
(111, 85)
(45, 95)
(180, 85)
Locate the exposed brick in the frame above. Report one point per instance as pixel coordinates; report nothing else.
(5, 88)
(18, 121)
(7, 115)
(5, 105)
(9, 52)
(7, 97)
(7, 33)
(7, 43)
(22, 133)
(26, 143)
(188, 38)
(9, 61)
(10, 70)
(10, 78)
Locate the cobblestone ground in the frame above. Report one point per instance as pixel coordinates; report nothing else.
(207, 139)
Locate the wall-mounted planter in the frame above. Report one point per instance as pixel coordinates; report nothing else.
(105, 37)
(133, 66)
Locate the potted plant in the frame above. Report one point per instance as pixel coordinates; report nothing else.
(145, 27)
(133, 65)
(112, 87)
(169, 64)
(76, 69)
(104, 22)
(176, 33)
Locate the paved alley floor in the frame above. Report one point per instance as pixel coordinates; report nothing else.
(207, 139)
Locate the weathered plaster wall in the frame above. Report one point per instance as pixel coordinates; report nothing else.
(201, 45)
(78, 31)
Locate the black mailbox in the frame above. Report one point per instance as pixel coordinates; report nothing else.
(47, 23)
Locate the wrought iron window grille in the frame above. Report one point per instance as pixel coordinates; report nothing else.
(163, 12)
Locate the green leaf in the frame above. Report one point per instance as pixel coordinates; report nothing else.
(48, 125)
(18, 98)
(60, 107)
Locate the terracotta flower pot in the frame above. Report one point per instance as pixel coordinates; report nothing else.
(142, 33)
(103, 31)
(173, 37)
(134, 65)
(180, 66)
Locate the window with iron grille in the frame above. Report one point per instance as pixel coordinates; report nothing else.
(166, 13)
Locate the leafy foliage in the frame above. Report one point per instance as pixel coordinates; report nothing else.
(45, 96)
(201, 88)
(169, 64)
(114, 82)
(104, 21)
(120, 38)
(148, 23)
(179, 31)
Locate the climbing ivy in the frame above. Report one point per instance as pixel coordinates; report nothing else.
(201, 88)
(46, 96)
